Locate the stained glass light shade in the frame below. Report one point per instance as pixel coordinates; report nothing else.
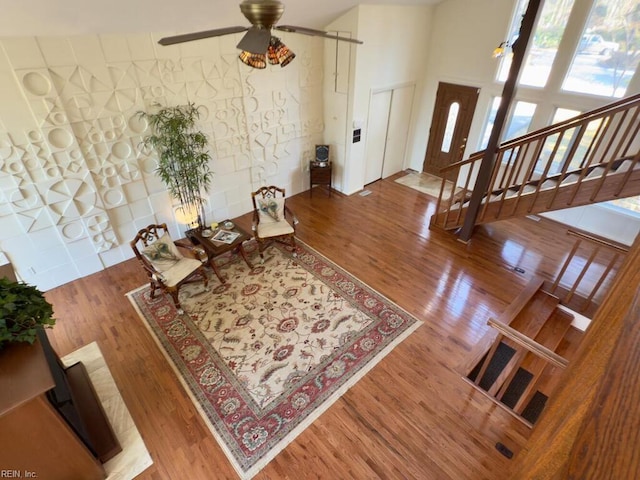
(255, 60)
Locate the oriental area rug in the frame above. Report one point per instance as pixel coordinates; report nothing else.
(263, 355)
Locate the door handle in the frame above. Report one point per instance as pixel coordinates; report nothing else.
(463, 145)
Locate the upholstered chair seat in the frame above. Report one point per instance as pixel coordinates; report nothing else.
(168, 269)
(272, 219)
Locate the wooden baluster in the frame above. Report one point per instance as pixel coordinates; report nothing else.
(573, 289)
(600, 282)
(566, 264)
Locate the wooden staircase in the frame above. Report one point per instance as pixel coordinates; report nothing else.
(594, 157)
(513, 371)
(517, 365)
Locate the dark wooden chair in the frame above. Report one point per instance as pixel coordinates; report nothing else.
(165, 265)
(272, 219)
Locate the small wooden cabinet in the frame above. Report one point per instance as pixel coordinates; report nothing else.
(319, 174)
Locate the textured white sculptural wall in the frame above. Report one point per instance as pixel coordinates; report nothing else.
(75, 185)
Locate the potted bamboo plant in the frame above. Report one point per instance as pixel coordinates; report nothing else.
(183, 159)
(23, 310)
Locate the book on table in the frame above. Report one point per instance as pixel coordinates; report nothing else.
(224, 236)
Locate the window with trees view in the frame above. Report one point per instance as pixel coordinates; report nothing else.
(609, 50)
(600, 58)
(546, 39)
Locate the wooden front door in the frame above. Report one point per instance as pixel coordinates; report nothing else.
(450, 124)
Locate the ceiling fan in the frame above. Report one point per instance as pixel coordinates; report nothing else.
(258, 45)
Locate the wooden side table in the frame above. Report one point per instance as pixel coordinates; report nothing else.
(214, 248)
(319, 174)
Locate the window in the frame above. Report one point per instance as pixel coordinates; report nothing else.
(514, 31)
(450, 128)
(631, 204)
(608, 50)
(601, 58)
(517, 124)
(560, 115)
(546, 38)
(563, 114)
(520, 120)
(579, 158)
(491, 116)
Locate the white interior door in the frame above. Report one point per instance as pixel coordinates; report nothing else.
(377, 124)
(388, 128)
(397, 130)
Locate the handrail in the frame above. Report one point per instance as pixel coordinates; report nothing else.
(551, 129)
(597, 242)
(472, 158)
(600, 240)
(531, 345)
(575, 121)
(532, 168)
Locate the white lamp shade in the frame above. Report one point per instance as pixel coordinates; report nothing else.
(187, 215)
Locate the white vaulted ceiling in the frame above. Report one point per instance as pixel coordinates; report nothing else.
(80, 17)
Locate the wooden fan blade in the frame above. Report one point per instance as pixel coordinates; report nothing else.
(188, 37)
(256, 40)
(315, 33)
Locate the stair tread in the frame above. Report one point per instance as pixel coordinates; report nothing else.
(570, 179)
(535, 313)
(549, 183)
(596, 173)
(550, 336)
(524, 297)
(626, 165)
(552, 332)
(571, 341)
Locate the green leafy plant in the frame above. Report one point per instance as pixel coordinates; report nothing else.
(23, 309)
(183, 159)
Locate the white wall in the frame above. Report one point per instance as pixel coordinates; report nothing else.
(339, 65)
(74, 185)
(461, 41)
(394, 53)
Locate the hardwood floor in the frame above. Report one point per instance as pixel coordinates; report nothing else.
(412, 416)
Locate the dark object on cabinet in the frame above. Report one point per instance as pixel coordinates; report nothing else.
(322, 153)
(319, 174)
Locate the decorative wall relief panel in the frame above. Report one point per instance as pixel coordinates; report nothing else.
(72, 170)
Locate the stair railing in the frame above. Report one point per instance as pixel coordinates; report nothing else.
(609, 254)
(523, 346)
(542, 160)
